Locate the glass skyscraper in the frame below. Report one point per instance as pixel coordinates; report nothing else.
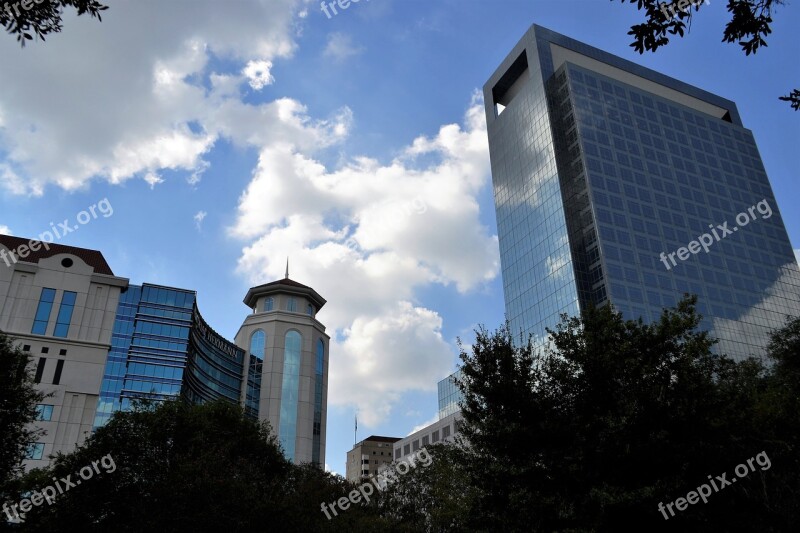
(449, 395)
(602, 169)
(161, 348)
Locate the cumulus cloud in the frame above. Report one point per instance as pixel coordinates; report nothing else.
(156, 105)
(5, 230)
(369, 237)
(258, 73)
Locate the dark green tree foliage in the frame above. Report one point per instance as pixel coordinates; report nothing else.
(749, 26)
(617, 416)
(42, 17)
(437, 497)
(182, 467)
(18, 399)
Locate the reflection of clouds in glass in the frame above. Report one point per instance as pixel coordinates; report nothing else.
(781, 299)
(556, 264)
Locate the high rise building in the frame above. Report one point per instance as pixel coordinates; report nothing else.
(615, 183)
(100, 343)
(284, 336)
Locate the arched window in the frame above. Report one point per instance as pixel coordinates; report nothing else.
(269, 304)
(290, 393)
(316, 443)
(257, 342)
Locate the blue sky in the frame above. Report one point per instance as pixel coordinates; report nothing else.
(230, 135)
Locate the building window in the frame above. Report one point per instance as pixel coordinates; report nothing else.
(269, 304)
(415, 445)
(36, 450)
(291, 305)
(406, 449)
(435, 436)
(57, 375)
(37, 378)
(62, 352)
(46, 300)
(45, 349)
(26, 348)
(310, 310)
(290, 392)
(65, 314)
(398, 453)
(426, 440)
(44, 412)
(257, 343)
(445, 432)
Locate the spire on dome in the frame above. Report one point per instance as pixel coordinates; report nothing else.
(287, 268)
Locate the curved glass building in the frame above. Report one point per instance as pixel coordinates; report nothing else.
(161, 347)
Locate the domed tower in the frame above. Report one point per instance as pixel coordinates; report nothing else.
(287, 361)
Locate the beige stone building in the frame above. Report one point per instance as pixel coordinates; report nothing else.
(59, 303)
(368, 456)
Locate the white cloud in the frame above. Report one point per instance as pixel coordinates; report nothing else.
(340, 46)
(369, 237)
(150, 109)
(198, 219)
(258, 72)
(5, 230)
(153, 179)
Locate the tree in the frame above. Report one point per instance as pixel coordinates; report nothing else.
(176, 466)
(18, 399)
(437, 497)
(749, 26)
(614, 417)
(42, 17)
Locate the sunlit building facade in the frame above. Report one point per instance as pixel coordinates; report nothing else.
(602, 168)
(99, 344)
(162, 347)
(284, 337)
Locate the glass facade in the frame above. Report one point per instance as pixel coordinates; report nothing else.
(160, 348)
(449, 395)
(316, 450)
(290, 393)
(641, 172)
(258, 343)
(46, 300)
